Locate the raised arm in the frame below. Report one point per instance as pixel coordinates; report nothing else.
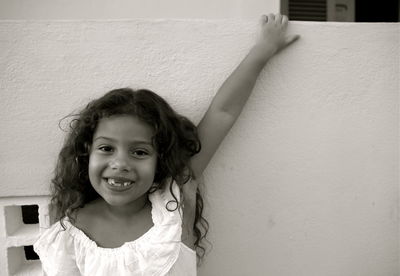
(228, 103)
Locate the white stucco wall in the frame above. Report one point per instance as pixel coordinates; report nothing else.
(306, 182)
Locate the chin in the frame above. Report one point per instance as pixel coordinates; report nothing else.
(118, 202)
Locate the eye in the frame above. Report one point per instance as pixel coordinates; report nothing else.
(105, 148)
(140, 153)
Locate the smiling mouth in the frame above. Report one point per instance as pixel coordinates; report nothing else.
(116, 183)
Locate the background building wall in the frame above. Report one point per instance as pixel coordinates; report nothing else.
(306, 182)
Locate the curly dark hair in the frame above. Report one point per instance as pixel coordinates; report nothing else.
(175, 139)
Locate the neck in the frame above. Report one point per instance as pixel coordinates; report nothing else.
(127, 211)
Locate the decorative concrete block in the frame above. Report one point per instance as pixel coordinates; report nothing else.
(16, 237)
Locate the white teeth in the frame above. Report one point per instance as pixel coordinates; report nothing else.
(112, 182)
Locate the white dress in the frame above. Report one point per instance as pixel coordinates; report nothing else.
(159, 251)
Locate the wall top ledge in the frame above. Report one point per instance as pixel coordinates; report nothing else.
(169, 20)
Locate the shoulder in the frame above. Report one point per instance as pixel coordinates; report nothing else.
(56, 250)
(55, 244)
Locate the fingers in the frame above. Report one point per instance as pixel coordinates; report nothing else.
(285, 20)
(264, 19)
(271, 18)
(278, 18)
(275, 19)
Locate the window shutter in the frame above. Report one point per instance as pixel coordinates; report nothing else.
(307, 10)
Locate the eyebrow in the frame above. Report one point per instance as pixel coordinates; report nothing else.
(133, 142)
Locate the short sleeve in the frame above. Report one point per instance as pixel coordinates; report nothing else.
(55, 248)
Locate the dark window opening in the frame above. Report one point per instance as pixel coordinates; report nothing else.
(30, 214)
(377, 11)
(30, 254)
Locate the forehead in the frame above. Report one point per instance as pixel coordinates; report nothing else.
(123, 127)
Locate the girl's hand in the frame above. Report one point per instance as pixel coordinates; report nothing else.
(273, 36)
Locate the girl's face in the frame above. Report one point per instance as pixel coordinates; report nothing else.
(122, 161)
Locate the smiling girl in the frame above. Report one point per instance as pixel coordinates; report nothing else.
(126, 190)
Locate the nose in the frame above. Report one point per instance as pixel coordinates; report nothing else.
(120, 163)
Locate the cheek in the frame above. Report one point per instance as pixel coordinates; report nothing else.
(94, 167)
(149, 168)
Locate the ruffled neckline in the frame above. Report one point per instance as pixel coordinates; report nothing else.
(159, 215)
(83, 238)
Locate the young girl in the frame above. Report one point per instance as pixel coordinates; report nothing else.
(126, 190)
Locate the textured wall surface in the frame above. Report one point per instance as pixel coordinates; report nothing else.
(306, 182)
